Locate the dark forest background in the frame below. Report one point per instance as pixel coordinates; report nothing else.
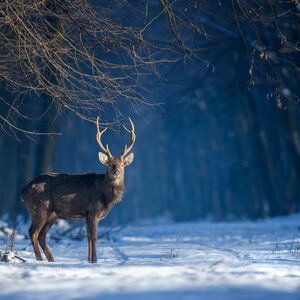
(219, 136)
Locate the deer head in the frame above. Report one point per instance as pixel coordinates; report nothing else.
(115, 164)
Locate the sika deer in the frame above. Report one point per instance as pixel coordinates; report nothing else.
(53, 196)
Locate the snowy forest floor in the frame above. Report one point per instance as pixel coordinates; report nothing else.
(201, 260)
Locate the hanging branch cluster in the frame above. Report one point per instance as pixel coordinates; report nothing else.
(71, 51)
(270, 31)
(86, 58)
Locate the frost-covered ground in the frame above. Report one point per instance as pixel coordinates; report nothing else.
(245, 260)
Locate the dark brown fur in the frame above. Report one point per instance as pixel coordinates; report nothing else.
(91, 196)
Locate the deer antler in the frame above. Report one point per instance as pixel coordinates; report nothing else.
(128, 148)
(98, 138)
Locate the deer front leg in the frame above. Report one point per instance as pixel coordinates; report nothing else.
(92, 235)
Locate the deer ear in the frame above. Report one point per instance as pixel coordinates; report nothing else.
(128, 159)
(103, 158)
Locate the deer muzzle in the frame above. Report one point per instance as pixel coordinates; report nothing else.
(116, 174)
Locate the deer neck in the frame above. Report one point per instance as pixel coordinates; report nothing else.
(114, 189)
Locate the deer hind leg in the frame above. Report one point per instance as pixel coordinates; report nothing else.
(39, 214)
(42, 236)
(34, 230)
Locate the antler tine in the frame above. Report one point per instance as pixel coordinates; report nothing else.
(108, 150)
(128, 148)
(98, 138)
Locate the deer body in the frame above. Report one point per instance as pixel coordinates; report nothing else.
(73, 196)
(62, 196)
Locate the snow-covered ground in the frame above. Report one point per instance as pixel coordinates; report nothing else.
(202, 260)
